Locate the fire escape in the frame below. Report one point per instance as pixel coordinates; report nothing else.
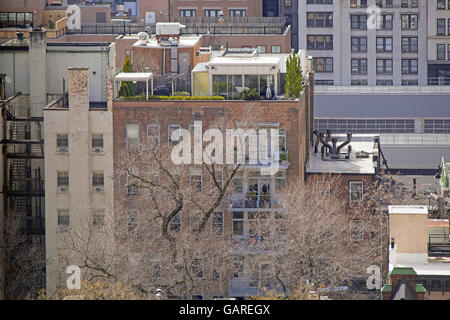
(23, 154)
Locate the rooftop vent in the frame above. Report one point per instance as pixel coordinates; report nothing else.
(331, 151)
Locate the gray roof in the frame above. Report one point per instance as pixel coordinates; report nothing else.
(381, 106)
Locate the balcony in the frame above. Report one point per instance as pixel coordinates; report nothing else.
(253, 202)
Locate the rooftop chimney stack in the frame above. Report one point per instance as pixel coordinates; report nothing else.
(38, 74)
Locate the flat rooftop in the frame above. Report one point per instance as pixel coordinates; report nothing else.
(354, 165)
(184, 42)
(436, 266)
(408, 209)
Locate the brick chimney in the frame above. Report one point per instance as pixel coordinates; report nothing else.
(37, 71)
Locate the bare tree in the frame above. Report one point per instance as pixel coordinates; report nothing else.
(24, 260)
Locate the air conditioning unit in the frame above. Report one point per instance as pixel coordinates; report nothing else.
(63, 188)
(62, 149)
(132, 190)
(98, 149)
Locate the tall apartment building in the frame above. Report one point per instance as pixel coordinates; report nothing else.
(439, 42)
(79, 168)
(348, 52)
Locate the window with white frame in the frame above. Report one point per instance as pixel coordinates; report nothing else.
(238, 13)
(356, 191)
(212, 13)
(153, 137)
(132, 137)
(261, 49)
(356, 230)
(97, 142)
(276, 49)
(132, 183)
(173, 133)
(238, 183)
(98, 181)
(187, 13)
(62, 142)
(238, 223)
(63, 219)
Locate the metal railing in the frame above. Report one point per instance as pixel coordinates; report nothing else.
(438, 239)
(438, 81)
(415, 139)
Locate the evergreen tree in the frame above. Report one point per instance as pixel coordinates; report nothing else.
(127, 88)
(294, 76)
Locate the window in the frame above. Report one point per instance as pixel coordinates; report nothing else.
(440, 52)
(358, 21)
(404, 3)
(320, 42)
(359, 44)
(238, 266)
(197, 297)
(173, 133)
(212, 13)
(440, 27)
(98, 217)
(195, 219)
(287, 3)
(323, 82)
(356, 230)
(389, 4)
(437, 126)
(379, 3)
(319, 1)
(175, 223)
(197, 267)
(384, 44)
(100, 17)
(187, 13)
(238, 186)
(238, 13)
(280, 181)
(409, 44)
(448, 52)
(63, 219)
(359, 66)
(97, 181)
(410, 82)
(16, 19)
(356, 191)
(62, 182)
(323, 188)
(353, 3)
(365, 125)
(319, 19)
(261, 49)
(384, 66)
(62, 143)
(155, 266)
(448, 23)
(217, 222)
(132, 183)
(132, 221)
(384, 83)
(238, 223)
(153, 135)
(195, 178)
(409, 21)
(409, 66)
(97, 143)
(358, 83)
(132, 137)
(441, 4)
(323, 64)
(276, 49)
(414, 3)
(386, 22)
(363, 3)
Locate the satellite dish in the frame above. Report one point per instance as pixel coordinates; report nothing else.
(8, 79)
